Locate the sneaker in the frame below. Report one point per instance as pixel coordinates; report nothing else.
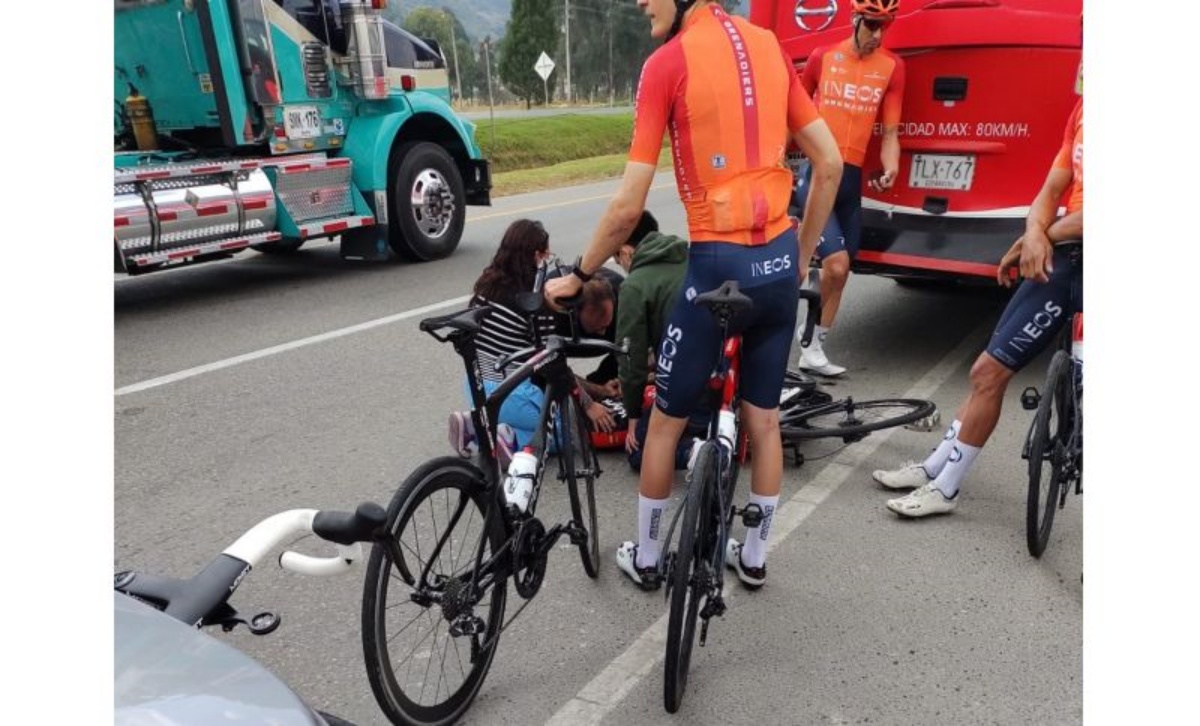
(462, 433)
(752, 577)
(506, 445)
(909, 476)
(646, 578)
(923, 502)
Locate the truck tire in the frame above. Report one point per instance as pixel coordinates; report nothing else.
(428, 203)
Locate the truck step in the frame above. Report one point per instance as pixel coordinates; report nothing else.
(181, 254)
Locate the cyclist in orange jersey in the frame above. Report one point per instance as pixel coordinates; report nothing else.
(854, 82)
(1052, 264)
(732, 102)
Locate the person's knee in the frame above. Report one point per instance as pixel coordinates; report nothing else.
(836, 268)
(989, 377)
(762, 424)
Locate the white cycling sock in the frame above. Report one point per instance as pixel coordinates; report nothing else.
(960, 460)
(937, 458)
(754, 549)
(652, 523)
(819, 333)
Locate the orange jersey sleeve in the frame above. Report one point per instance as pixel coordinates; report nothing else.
(652, 107)
(801, 109)
(893, 97)
(1070, 156)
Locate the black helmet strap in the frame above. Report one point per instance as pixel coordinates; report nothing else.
(681, 7)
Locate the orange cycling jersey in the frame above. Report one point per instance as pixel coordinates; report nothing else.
(729, 96)
(850, 89)
(1070, 157)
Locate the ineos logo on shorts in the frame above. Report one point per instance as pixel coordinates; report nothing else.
(666, 358)
(1042, 320)
(771, 267)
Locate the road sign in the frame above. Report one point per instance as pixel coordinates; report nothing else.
(544, 65)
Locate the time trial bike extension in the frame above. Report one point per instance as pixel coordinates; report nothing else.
(434, 604)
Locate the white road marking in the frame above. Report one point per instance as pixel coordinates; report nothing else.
(237, 360)
(606, 691)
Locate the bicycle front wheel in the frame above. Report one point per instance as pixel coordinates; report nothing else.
(851, 419)
(1047, 441)
(579, 465)
(689, 575)
(420, 671)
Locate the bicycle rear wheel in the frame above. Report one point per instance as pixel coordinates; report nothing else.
(419, 671)
(689, 575)
(1047, 446)
(851, 419)
(579, 465)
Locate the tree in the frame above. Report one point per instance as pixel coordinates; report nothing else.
(532, 29)
(435, 23)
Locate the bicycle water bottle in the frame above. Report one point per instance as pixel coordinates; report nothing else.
(518, 487)
(726, 429)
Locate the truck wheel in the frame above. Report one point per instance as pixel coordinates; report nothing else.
(428, 203)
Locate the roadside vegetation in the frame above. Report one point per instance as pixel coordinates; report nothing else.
(539, 153)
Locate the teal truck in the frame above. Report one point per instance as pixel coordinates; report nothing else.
(265, 123)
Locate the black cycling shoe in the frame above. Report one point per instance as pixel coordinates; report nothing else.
(751, 578)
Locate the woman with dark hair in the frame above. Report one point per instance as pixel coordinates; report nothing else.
(524, 247)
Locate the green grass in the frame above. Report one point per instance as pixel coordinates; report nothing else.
(539, 153)
(577, 171)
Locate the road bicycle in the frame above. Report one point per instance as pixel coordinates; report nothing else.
(434, 603)
(1054, 445)
(694, 570)
(195, 673)
(807, 413)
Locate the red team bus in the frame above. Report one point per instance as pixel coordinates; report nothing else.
(988, 89)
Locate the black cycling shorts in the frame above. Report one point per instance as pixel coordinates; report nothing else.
(1038, 311)
(843, 231)
(691, 341)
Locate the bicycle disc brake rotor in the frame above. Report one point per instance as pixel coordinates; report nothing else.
(530, 567)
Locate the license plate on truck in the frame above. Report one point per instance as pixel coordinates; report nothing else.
(302, 122)
(942, 171)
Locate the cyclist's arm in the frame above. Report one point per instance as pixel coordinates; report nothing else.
(621, 216)
(889, 148)
(1067, 227)
(817, 143)
(1036, 248)
(809, 132)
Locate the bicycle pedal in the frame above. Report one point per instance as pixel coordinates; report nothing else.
(752, 515)
(1030, 398)
(927, 423)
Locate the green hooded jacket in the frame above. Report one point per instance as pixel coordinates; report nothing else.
(647, 296)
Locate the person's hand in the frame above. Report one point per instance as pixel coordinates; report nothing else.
(1037, 253)
(1008, 262)
(561, 287)
(600, 417)
(612, 389)
(631, 442)
(883, 181)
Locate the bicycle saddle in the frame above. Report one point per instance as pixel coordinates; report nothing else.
(727, 297)
(467, 321)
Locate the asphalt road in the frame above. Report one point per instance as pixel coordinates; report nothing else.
(866, 618)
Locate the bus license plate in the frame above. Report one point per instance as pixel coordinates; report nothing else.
(302, 122)
(942, 171)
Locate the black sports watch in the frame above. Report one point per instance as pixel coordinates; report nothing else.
(577, 271)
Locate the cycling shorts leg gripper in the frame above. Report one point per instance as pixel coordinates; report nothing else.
(1037, 312)
(690, 346)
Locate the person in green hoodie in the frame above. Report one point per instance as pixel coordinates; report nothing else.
(654, 265)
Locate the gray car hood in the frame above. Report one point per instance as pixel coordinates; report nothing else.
(168, 674)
